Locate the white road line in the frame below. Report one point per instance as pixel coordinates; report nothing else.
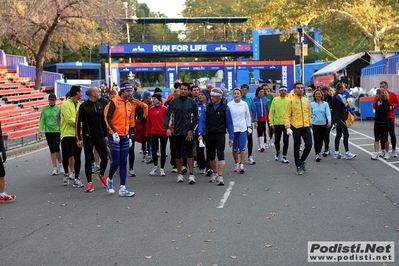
(358, 138)
(226, 195)
(368, 152)
(362, 145)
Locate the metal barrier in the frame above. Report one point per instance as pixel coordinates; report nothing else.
(61, 88)
(369, 82)
(376, 70)
(12, 61)
(48, 78)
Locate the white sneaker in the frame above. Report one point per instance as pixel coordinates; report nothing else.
(374, 156)
(124, 192)
(60, 169)
(284, 159)
(349, 155)
(251, 160)
(202, 171)
(131, 172)
(386, 156)
(382, 153)
(110, 186)
(318, 158)
(65, 180)
(72, 175)
(213, 177)
(180, 178)
(301, 147)
(55, 171)
(77, 183)
(191, 179)
(277, 156)
(154, 170)
(271, 143)
(195, 164)
(394, 154)
(220, 181)
(162, 172)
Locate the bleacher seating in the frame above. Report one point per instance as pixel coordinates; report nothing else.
(23, 133)
(23, 117)
(11, 92)
(20, 125)
(4, 86)
(26, 97)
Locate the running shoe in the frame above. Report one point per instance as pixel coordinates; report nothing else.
(110, 186)
(131, 172)
(124, 192)
(77, 183)
(89, 187)
(7, 198)
(303, 166)
(259, 148)
(262, 149)
(271, 143)
(55, 171)
(338, 155)
(174, 170)
(318, 158)
(301, 147)
(103, 180)
(202, 171)
(213, 177)
(299, 170)
(284, 159)
(209, 172)
(154, 170)
(95, 169)
(220, 181)
(60, 169)
(326, 153)
(191, 179)
(184, 169)
(350, 155)
(251, 160)
(72, 176)
(162, 172)
(237, 168)
(65, 180)
(180, 178)
(195, 164)
(374, 156)
(386, 157)
(394, 154)
(242, 170)
(382, 153)
(277, 156)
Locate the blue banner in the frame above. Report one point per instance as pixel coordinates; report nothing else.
(178, 48)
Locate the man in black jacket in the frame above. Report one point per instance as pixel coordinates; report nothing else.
(185, 113)
(90, 120)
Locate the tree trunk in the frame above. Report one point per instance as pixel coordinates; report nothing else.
(374, 43)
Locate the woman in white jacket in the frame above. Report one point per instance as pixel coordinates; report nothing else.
(242, 126)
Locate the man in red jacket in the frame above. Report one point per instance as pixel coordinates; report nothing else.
(393, 104)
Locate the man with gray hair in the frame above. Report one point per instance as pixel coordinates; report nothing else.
(213, 123)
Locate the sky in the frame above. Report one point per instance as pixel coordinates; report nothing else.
(169, 8)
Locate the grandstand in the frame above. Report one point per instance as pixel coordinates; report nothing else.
(20, 104)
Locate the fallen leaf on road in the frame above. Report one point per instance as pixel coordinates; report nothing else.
(313, 207)
(386, 226)
(233, 257)
(99, 225)
(148, 257)
(268, 245)
(208, 240)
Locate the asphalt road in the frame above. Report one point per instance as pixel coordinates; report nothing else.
(263, 217)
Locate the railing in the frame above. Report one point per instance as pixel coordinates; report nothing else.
(12, 61)
(376, 70)
(369, 82)
(48, 78)
(62, 88)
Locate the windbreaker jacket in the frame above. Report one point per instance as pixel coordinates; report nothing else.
(298, 112)
(277, 110)
(69, 110)
(185, 115)
(48, 122)
(155, 121)
(118, 114)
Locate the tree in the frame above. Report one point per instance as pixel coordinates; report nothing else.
(42, 26)
(377, 20)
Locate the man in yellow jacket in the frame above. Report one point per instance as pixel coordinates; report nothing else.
(297, 121)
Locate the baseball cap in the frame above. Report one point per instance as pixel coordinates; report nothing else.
(52, 97)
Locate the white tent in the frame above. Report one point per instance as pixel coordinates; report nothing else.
(339, 64)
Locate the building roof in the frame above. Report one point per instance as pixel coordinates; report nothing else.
(339, 64)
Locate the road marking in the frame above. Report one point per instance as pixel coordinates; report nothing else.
(362, 145)
(368, 152)
(226, 195)
(358, 138)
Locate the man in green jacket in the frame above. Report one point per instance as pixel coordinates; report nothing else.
(276, 121)
(48, 124)
(68, 113)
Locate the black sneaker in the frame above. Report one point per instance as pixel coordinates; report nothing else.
(209, 172)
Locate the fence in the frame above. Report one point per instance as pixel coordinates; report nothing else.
(12, 61)
(369, 82)
(48, 78)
